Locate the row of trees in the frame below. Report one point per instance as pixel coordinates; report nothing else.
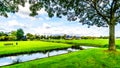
(93, 37)
(19, 35)
(12, 36)
(30, 36)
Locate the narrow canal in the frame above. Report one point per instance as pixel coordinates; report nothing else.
(27, 57)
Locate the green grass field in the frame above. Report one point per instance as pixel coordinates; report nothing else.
(28, 47)
(88, 42)
(91, 58)
(33, 46)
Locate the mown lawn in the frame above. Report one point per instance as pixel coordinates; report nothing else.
(28, 47)
(88, 42)
(91, 58)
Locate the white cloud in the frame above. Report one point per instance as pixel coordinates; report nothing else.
(46, 26)
(47, 18)
(14, 23)
(51, 28)
(70, 30)
(2, 28)
(25, 11)
(11, 25)
(42, 11)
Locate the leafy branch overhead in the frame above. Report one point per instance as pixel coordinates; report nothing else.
(10, 6)
(91, 12)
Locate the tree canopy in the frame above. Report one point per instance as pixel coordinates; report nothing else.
(20, 34)
(101, 13)
(90, 12)
(10, 6)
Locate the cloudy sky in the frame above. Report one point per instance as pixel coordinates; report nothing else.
(45, 25)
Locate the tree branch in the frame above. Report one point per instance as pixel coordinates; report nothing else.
(95, 7)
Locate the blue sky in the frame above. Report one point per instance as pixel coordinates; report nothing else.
(42, 24)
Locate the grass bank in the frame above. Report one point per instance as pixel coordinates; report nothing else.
(91, 58)
(28, 47)
(88, 42)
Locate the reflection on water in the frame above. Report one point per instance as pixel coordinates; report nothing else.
(87, 47)
(26, 57)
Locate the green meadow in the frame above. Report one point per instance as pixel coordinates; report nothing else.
(88, 42)
(28, 47)
(91, 58)
(31, 30)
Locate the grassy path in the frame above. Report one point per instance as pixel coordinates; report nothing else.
(91, 58)
(28, 47)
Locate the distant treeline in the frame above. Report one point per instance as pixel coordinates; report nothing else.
(19, 35)
(93, 37)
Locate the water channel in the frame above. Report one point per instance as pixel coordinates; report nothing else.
(27, 57)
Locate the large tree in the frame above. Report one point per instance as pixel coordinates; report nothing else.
(101, 13)
(20, 34)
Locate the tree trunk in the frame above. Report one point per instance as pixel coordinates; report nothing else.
(112, 46)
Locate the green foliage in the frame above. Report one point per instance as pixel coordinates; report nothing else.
(13, 36)
(10, 6)
(29, 36)
(92, 58)
(95, 12)
(90, 12)
(13, 33)
(2, 34)
(20, 34)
